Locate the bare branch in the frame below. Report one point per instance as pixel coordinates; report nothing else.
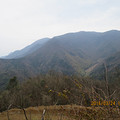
(101, 91)
(8, 111)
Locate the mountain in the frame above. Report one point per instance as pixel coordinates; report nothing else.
(27, 50)
(113, 67)
(72, 53)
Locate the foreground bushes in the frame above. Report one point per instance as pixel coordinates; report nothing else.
(54, 89)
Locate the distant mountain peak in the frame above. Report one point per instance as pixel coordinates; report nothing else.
(27, 50)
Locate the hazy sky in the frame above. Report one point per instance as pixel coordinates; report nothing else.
(24, 21)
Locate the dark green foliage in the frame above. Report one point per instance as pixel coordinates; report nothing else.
(12, 83)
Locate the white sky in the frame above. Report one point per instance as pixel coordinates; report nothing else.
(25, 21)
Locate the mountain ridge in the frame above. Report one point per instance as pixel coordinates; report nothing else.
(27, 50)
(71, 53)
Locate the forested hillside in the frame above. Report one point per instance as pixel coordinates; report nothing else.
(71, 53)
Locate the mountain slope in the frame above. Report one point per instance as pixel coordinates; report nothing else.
(72, 53)
(57, 56)
(27, 50)
(50, 57)
(113, 67)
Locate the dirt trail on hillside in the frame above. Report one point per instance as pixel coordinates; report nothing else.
(91, 68)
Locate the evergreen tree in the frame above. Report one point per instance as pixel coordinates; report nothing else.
(12, 83)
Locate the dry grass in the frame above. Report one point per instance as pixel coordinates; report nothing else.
(67, 112)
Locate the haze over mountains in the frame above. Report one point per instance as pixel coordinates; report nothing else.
(71, 53)
(27, 50)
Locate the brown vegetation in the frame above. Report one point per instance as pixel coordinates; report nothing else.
(66, 112)
(58, 89)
